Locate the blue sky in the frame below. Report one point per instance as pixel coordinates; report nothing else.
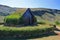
(54, 4)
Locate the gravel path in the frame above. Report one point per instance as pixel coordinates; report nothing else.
(56, 37)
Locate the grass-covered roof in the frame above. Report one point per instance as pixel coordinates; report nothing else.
(17, 14)
(14, 17)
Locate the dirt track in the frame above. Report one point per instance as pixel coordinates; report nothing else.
(56, 37)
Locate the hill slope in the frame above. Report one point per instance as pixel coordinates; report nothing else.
(41, 13)
(46, 14)
(6, 10)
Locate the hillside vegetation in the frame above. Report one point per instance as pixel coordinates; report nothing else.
(46, 14)
(41, 13)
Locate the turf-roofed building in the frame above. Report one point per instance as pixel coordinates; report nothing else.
(21, 17)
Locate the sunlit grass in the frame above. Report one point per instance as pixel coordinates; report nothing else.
(25, 28)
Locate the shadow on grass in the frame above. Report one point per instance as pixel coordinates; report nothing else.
(29, 37)
(20, 26)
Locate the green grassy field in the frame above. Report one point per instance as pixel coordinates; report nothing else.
(25, 32)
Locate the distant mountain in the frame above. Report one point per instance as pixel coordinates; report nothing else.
(46, 14)
(6, 10)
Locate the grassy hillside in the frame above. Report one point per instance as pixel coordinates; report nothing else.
(6, 10)
(44, 14)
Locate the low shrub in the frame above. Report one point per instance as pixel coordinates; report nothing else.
(57, 22)
(41, 22)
